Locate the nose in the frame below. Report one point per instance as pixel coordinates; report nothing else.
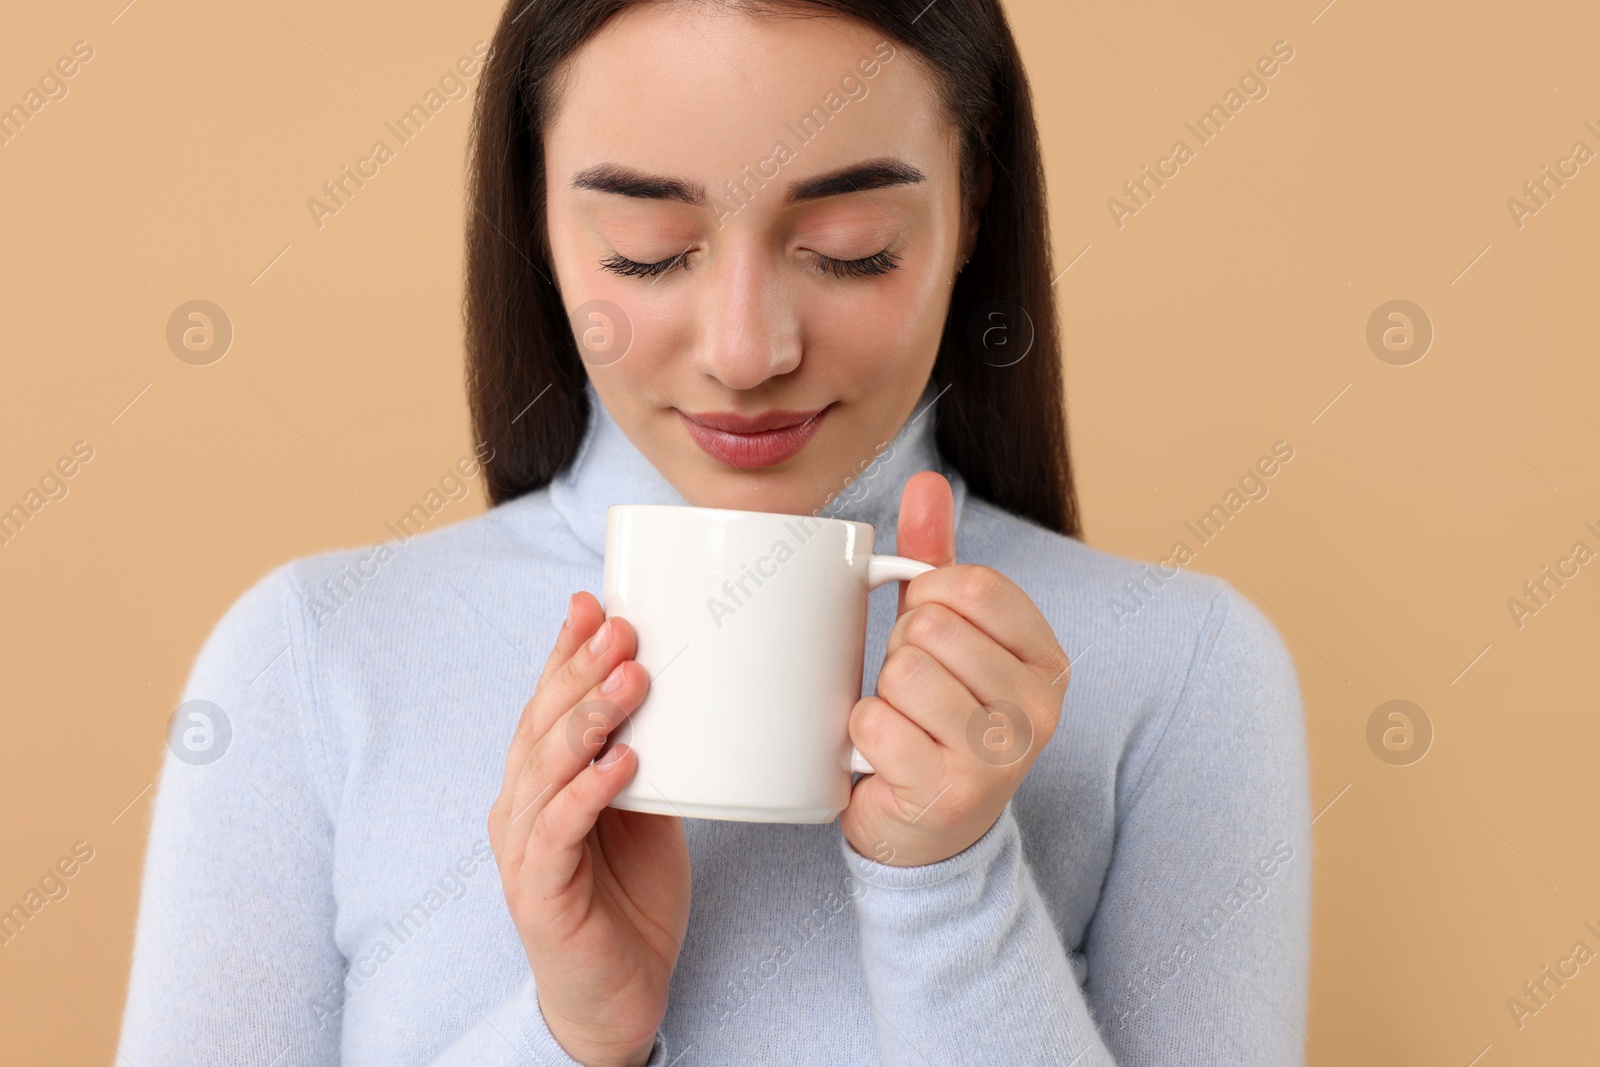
(750, 330)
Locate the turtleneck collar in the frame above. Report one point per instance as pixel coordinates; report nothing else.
(609, 469)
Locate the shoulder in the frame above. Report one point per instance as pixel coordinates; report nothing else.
(316, 642)
(253, 621)
(343, 603)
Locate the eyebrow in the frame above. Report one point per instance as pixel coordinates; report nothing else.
(857, 177)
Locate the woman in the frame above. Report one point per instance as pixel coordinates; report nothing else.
(791, 259)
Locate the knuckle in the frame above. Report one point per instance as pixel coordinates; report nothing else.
(527, 723)
(538, 835)
(977, 580)
(929, 624)
(535, 780)
(900, 667)
(588, 725)
(867, 720)
(578, 667)
(544, 822)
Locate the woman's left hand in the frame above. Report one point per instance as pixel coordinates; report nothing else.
(969, 694)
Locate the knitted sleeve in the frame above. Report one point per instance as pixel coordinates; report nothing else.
(234, 955)
(1199, 948)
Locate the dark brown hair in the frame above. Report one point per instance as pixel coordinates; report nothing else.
(1002, 426)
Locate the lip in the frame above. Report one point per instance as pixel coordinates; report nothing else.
(749, 441)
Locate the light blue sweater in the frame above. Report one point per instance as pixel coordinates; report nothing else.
(324, 893)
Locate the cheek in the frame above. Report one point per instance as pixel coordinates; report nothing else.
(875, 330)
(651, 326)
(567, 259)
(662, 325)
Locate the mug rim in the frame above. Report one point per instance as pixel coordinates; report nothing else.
(742, 512)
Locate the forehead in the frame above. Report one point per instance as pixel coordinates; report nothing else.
(703, 93)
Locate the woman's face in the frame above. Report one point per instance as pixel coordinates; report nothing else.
(751, 273)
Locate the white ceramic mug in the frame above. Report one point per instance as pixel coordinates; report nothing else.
(752, 628)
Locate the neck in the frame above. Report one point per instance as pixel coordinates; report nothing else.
(609, 469)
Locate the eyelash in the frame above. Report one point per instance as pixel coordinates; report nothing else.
(877, 264)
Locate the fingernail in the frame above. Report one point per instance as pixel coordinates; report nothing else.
(601, 639)
(611, 757)
(613, 680)
(568, 620)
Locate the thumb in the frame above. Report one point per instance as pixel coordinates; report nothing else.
(926, 529)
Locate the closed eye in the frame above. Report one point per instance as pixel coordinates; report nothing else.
(620, 264)
(877, 264)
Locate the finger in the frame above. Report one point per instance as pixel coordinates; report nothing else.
(582, 671)
(575, 737)
(900, 751)
(563, 752)
(1004, 687)
(994, 604)
(926, 527)
(584, 616)
(980, 663)
(927, 693)
(564, 823)
(568, 682)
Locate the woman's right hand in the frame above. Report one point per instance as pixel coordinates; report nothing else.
(600, 896)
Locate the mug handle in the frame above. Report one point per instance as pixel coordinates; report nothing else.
(881, 569)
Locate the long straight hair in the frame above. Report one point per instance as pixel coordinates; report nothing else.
(1001, 422)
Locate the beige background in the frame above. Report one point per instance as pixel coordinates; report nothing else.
(1228, 313)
